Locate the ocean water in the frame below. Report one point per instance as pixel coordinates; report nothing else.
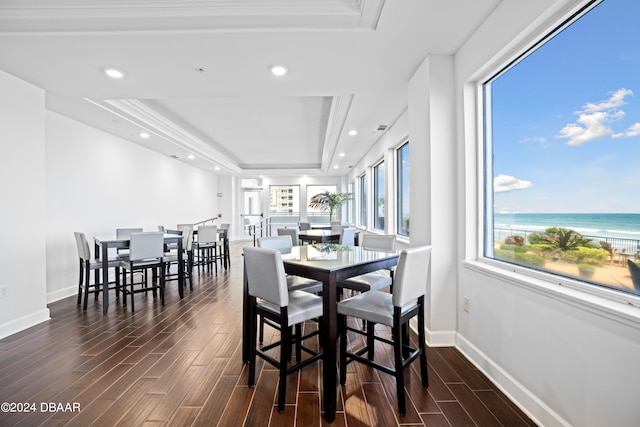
(623, 226)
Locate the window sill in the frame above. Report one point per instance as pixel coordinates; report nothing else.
(600, 301)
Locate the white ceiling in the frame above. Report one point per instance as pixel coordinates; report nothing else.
(197, 75)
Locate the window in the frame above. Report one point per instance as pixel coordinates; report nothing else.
(351, 204)
(362, 180)
(402, 158)
(378, 196)
(562, 148)
(315, 215)
(284, 202)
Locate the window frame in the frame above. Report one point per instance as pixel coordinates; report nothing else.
(362, 199)
(399, 199)
(539, 280)
(378, 169)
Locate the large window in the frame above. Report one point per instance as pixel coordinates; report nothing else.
(378, 196)
(402, 191)
(284, 204)
(563, 149)
(317, 216)
(362, 190)
(351, 204)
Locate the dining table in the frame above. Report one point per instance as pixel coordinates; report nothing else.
(102, 246)
(328, 263)
(321, 236)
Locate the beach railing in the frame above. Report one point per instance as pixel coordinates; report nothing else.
(618, 244)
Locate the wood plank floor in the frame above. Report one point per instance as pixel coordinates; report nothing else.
(180, 365)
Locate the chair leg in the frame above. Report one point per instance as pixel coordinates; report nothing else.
(252, 337)
(298, 342)
(86, 286)
(132, 305)
(162, 280)
(285, 351)
(399, 371)
(422, 346)
(261, 338)
(371, 342)
(80, 282)
(124, 288)
(342, 330)
(215, 258)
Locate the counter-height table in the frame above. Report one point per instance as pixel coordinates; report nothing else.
(102, 246)
(322, 236)
(328, 263)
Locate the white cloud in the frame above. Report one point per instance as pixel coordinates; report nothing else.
(505, 183)
(634, 130)
(616, 100)
(593, 121)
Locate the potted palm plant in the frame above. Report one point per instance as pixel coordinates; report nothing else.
(327, 201)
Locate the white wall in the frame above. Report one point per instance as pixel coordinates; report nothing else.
(97, 182)
(22, 216)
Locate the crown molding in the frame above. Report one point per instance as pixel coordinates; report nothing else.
(127, 16)
(340, 107)
(145, 117)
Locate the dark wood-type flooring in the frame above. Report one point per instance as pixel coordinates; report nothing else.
(180, 365)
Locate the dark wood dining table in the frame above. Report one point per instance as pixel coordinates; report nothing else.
(328, 263)
(322, 236)
(102, 246)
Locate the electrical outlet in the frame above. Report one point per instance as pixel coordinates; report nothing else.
(465, 304)
(3, 291)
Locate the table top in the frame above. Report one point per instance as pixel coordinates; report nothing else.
(318, 233)
(112, 239)
(330, 256)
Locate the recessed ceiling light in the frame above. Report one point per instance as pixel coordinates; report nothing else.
(144, 135)
(279, 70)
(341, 154)
(114, 73)
(191, 156)
(335, 167)
(353, 132)
(217, 168)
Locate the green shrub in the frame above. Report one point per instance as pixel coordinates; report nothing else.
(518, 257)
(515, 248)
(584, 255)
(562, 238)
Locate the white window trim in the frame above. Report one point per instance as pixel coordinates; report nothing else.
(602, 301)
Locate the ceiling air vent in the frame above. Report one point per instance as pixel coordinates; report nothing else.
(381, 128)
(173, 156)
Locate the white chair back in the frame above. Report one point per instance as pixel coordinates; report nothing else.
(265, 275)
(381, 242)
(412, 272)
(293, 232)
(185, 227)
(348, 236)
(280, 243)
(125, 233)
(84, 253)
(207, 234)
(187, 239)
(144, 246)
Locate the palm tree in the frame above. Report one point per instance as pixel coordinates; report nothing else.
(328, 201)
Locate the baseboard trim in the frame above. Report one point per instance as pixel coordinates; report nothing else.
(440, 338)
(24, 322)
(61, 294)
(530, 404)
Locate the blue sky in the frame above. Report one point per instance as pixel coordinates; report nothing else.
(567, 119)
